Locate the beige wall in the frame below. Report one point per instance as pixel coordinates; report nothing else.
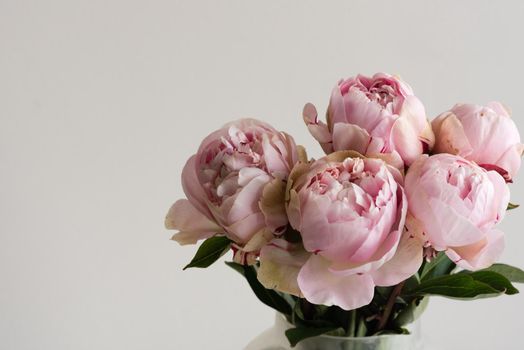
(101, 103)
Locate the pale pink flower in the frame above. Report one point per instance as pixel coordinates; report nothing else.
(458, 204)
(484, 134)
(350, 212)
(372, 116)
(235, 186)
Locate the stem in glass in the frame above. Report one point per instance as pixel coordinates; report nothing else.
(352, 323)
(389, 306)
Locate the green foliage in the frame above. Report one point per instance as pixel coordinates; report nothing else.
(494, 280)
(406, 303)
(210, 251)
(269, 297)
(411, 312)
(296, 335)
(441, 265)
(464, 285)
(514, 274)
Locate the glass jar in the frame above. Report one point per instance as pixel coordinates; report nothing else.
(275, 339)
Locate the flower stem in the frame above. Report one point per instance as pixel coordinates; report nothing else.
(361, 329)
(352, 323)
(389, 306)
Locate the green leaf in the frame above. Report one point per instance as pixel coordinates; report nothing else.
(237, 267)
(316, 317)
(296, 335)
(267, 296)
(514, 274)
(381, 294)
(362, 329)
(494, 280)
(461, 285)
(411, 282)
(210, 251)
(411, 313)
(441, 265)
(512, 206)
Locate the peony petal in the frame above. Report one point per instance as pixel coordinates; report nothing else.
(274, 161)
(419, 207)
(272, 205)
(499, 108)
(242, 231)
(320, 286)
(259, 239)
(359, 110)
(246, 175)
(481, 254)
(289, 150)
(405, 262)
(350, 137)
(293, 210)
(302, 154)
(318, 129)
(414, 112)
(510, 160)
(340, 156)
(427, 137)
(192, 188)
(393, 159)
(296, 177)
(336, 240)
(405, 140)
(280, 263)
(385, 252)
(191, 224)
(500, 198)
(379, 234)
(453, 228)
(450, 136)
(336, 110)
(489, 133)
(246, 201)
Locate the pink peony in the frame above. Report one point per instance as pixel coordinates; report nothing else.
(235, 186)
(371, 116)
(350, 212)
(457, 204)
(483, 134)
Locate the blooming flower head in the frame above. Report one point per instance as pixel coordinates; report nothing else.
(234, 186)
(484, 134)
(350, 212)
(373, 115)
(458, 205)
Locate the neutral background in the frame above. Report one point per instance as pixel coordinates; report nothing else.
(101, 103)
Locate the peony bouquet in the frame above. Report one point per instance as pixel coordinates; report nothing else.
(353, 243)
